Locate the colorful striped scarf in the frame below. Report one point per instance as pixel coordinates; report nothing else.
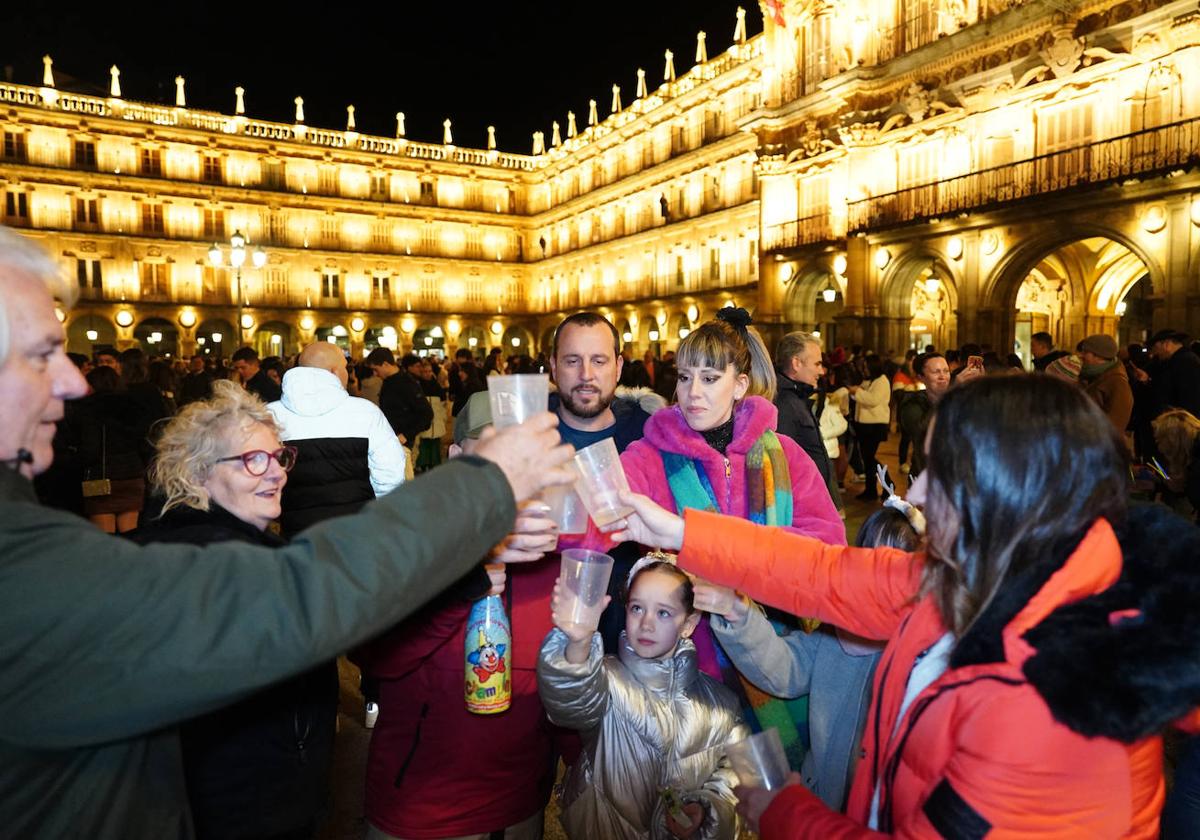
(768, 502)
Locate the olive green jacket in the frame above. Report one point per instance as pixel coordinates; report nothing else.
(105, 645)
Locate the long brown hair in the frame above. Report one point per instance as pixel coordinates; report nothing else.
(1019, 469)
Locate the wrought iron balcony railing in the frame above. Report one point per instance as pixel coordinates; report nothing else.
(1150, 152)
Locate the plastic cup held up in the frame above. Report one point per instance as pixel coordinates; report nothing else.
(601, 480)
(516, 398)
(566, 508)
(759, 760)
(584, 576)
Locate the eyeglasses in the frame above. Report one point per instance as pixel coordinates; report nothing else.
(258, 461)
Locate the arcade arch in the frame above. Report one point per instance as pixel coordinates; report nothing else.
(921, 292)
(1075, 286)
(157, 337)
(274, 338)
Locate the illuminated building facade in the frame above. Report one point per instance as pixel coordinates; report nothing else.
(890, 173)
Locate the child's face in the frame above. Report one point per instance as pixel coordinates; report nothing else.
(655, 618)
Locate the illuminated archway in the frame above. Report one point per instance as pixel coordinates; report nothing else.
(920, 292)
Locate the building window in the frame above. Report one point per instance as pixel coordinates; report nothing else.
(214, 224)
(14, 145)
(213, 172)
(155, 280)
(276, 283)
(330, 284)
(274, 175)
(16, 208)
(87, 214)
(680, 275)
(152, 218)
(427, 192)
(381, 186)
(88, 273)
(381, 287)
(276, 227)
(327, 182)
(329, 231)
(85, 154)
(152, 162)
(714, 263)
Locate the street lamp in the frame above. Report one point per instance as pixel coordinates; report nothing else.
(237, 258)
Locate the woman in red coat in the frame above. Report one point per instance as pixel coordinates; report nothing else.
(1035, 649)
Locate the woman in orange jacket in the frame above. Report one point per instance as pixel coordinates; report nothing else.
(1036, 648)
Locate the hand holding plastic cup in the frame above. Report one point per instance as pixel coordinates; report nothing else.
(566, 508)
(759, 760)
(584, 577)
(601, 480)
(516, 398)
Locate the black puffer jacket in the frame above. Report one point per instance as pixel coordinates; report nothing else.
(260, 767)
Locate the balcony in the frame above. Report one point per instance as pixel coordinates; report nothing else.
(1147, 153)
(809, 230)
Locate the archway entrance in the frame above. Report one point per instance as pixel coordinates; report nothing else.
(157, 337)
(274, 338)
(335, 334)
(429, 340)
(213, 335)
(813, 302)
(88, 333)
(1082, 288)
(1072, 281)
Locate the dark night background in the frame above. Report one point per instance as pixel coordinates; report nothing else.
(517, 66)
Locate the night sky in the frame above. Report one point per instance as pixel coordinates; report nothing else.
(513, 65)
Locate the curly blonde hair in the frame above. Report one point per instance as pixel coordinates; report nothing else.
(1175, 434)
(195, 438)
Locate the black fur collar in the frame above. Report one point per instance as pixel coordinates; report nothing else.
(1124, 663)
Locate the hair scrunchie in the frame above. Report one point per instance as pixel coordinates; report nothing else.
(736, 317)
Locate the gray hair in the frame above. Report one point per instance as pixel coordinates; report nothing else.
(21, 258)
(196, 437)
(792, 345)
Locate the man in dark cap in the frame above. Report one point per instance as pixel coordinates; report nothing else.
(1104, 378)
(1175, 374)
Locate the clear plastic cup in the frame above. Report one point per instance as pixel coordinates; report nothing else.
(759, 760)
(584, 577)
(601, 479)
(566, 508)
(516, 398)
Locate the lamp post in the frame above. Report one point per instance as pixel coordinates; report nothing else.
(237, 258)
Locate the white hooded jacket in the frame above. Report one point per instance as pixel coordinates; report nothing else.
(316, 405)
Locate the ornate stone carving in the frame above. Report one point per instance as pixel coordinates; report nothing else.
(1062, 52)
(915, 102)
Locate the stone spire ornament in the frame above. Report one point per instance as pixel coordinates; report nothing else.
(701, 48)
(570, 124)
(739, 31)
(669, 69)
(239, 107)
(399, 124)
(48, 91)
(539, 143)
(616, 100)
(555, 138)
(593, 117)
(299, 110)
(180, 97)
(641, 85)
(491, 141)
(350, 125)
(447, 137)
(114, 86)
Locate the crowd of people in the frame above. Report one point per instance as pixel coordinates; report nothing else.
(1001, 653)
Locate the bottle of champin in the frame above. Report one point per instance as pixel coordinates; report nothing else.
(488, 657)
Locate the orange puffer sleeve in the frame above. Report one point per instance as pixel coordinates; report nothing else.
(864, 590)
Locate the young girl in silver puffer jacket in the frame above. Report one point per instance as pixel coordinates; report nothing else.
(648, 718)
